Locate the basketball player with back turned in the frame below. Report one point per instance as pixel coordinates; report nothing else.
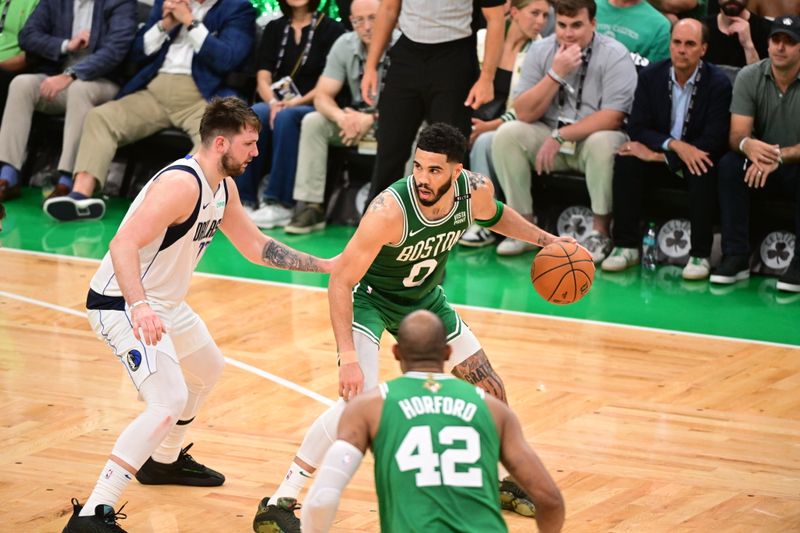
(136, 304)
(393, 265)
(436, 441)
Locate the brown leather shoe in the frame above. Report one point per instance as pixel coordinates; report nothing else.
(59, 190)
(9, 193)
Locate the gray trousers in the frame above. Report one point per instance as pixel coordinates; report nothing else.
(514, 150)
(74, 102)
(316, 133)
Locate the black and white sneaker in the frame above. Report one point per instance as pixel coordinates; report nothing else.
(279, 518)
(104, 520)
(184, 471)
(733, 268)
(476, 237)
(67, 208)
(790, 280)
(598, 245)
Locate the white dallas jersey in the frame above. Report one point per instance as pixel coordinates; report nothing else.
(166, 263)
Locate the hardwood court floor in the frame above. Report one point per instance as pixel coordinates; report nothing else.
(643, 431)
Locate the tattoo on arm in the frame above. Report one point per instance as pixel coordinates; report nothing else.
(476, 180)
(378, 203)
(278, 255)
(477, 370)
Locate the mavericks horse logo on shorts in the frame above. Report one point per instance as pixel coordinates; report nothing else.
(134, 359)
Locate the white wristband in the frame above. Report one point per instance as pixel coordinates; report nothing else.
(558, 79)
(139, 302)
(741, 143)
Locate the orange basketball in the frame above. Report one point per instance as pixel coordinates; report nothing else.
(562, 272)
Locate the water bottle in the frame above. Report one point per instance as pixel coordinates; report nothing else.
(649, 248)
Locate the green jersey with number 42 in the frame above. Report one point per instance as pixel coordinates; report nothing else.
(436, 453)
(413, 268)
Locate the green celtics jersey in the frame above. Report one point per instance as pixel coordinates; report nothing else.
(436, 454)
(413, 268)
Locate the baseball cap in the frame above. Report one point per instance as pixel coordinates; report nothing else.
(790, 25)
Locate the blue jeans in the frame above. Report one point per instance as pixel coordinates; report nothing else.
(480, 161)
(248, 182)
(285, 147)
(279, 146)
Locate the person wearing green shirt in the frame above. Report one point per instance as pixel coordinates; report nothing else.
(393, 265)
(436, 442)
(13, 15)
(638, 25)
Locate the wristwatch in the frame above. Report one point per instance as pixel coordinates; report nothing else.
(556, 134)
(192, 25)
(69, 71)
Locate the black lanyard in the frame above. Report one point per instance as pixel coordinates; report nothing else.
(689, 108)
(579, 91)
(4, 15)
(307, 48)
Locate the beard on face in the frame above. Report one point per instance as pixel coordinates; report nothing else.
(437, 196)
(732, 8)
(230, 167)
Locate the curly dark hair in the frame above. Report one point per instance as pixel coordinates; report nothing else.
(441, 138)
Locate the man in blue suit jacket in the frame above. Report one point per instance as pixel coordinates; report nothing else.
(78, 46)
(186, 50)
(679, 130)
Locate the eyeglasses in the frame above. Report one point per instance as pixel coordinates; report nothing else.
(360, 21)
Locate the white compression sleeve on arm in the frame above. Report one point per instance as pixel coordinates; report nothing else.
(338, 468)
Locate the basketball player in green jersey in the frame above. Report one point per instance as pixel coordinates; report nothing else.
(394, 264)
(436, 442)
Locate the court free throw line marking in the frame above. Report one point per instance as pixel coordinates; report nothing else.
(233, 362)
(459, 306)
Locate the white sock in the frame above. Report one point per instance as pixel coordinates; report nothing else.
(112, 481)
(292, 484)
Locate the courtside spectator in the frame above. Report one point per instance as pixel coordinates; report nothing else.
(737, 37)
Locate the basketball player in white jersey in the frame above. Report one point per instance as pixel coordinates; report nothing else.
(136, 304)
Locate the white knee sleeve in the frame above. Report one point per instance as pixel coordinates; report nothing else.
(321, 435)
(202, 369)
(165, 394)
(367, 352)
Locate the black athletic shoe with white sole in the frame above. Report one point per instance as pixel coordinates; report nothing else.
(104, 520)
(184, 471)
(790, 280)
(733, 268)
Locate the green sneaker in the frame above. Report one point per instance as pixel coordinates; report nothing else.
(513, 498)
(278, 518)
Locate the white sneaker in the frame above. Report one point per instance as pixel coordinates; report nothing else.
(697, 268)
(272, 216)
(620, 259)
(514, 247)
(476, 236)
(598, 245)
